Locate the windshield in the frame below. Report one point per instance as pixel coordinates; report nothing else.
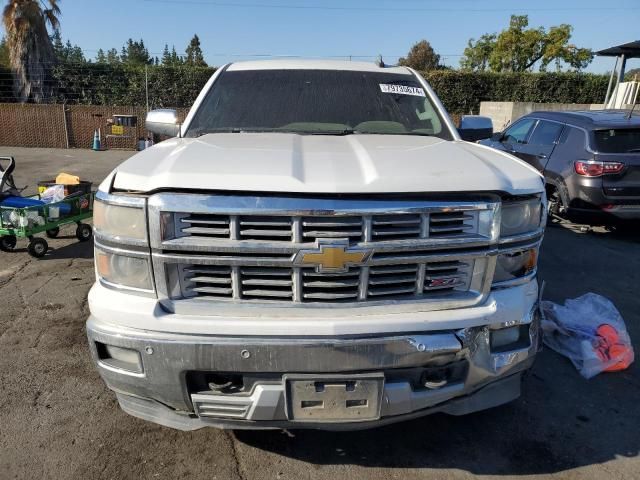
(619, 140)
(329, 102)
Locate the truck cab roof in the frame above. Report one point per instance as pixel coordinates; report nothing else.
(303, 64)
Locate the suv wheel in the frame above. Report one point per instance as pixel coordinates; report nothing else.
(555, 208)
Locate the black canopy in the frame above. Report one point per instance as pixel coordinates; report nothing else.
(629, 50)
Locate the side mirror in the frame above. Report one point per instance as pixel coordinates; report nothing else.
(475, 127)
(163, 122)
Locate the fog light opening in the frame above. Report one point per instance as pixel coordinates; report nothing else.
(119, 357)
(510, 338)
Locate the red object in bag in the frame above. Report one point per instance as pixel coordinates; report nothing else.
(610, 348)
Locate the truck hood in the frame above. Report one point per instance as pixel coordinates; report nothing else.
(283, 162)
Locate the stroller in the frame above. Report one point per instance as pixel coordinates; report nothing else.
(23, 217)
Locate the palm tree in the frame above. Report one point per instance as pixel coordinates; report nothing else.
(31, 53)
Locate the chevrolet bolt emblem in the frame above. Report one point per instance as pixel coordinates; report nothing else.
(333, 257)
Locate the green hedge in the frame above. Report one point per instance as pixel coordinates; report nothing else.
(461, 92)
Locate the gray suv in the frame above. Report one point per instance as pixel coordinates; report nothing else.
(590, 161)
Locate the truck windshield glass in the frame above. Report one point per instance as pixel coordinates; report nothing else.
(619, 140)
(323, 102)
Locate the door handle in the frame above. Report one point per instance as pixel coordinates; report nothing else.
(541, 156)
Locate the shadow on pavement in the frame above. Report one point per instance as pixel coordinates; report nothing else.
(74, 249)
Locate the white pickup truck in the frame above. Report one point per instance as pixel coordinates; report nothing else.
(317, 248)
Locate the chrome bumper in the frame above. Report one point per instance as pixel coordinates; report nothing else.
(159, 391)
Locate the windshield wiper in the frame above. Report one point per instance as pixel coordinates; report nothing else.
(346, 131)
(633, 150)
(219, 130)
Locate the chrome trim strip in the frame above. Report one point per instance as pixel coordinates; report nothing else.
(523, 237)
(223, 245)
(288, 261)
(286, 206)
(520, 247)
(515, 282)
(121, 251)
(121, 200)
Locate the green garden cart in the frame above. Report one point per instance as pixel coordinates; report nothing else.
(25, 217)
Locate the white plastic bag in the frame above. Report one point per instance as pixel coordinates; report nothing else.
(53, 194)
(590, 332)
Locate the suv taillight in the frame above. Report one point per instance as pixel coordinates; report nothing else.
(597, 169)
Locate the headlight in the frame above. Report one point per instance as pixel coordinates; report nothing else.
(118, 221)
(520, 217)
(512, 266)
(123, 270)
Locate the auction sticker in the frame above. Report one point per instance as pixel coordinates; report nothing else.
(402, 89)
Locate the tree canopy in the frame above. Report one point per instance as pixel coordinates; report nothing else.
(519, 49)
(421, 57)
(29, 45)
(194, 53)
(135, 53)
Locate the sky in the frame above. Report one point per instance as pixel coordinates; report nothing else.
(234, 30)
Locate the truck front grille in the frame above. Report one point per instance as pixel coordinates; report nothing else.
(281, 283)
(244, 249)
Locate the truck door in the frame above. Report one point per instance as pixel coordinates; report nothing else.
(541, 144)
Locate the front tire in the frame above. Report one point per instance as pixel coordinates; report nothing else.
(84, 232)
(38, 247)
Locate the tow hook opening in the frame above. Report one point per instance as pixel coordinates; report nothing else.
(225, 383)
(433, 378)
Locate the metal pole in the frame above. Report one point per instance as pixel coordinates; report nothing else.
(613, 72)
(614, 94)
(623, 65)
(64, 122)
(146, 84)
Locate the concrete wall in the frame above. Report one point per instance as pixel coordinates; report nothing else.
(505, 113)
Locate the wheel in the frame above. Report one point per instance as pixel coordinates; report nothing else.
(38, 247)
(84, 232)
(8, 243)
(554, 207)
(53, 233)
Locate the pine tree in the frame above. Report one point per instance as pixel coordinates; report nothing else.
(194, 56)
(101, 57)
(112, 57)
(135, 53)
(166, 56)
(58, 46)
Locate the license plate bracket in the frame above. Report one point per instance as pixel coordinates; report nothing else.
(333, 398)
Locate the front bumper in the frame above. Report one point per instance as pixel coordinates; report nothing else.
(161, 389)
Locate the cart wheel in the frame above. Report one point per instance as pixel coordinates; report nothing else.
(8, 243)
(53, 233)
(38, 247)
(84, 232)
